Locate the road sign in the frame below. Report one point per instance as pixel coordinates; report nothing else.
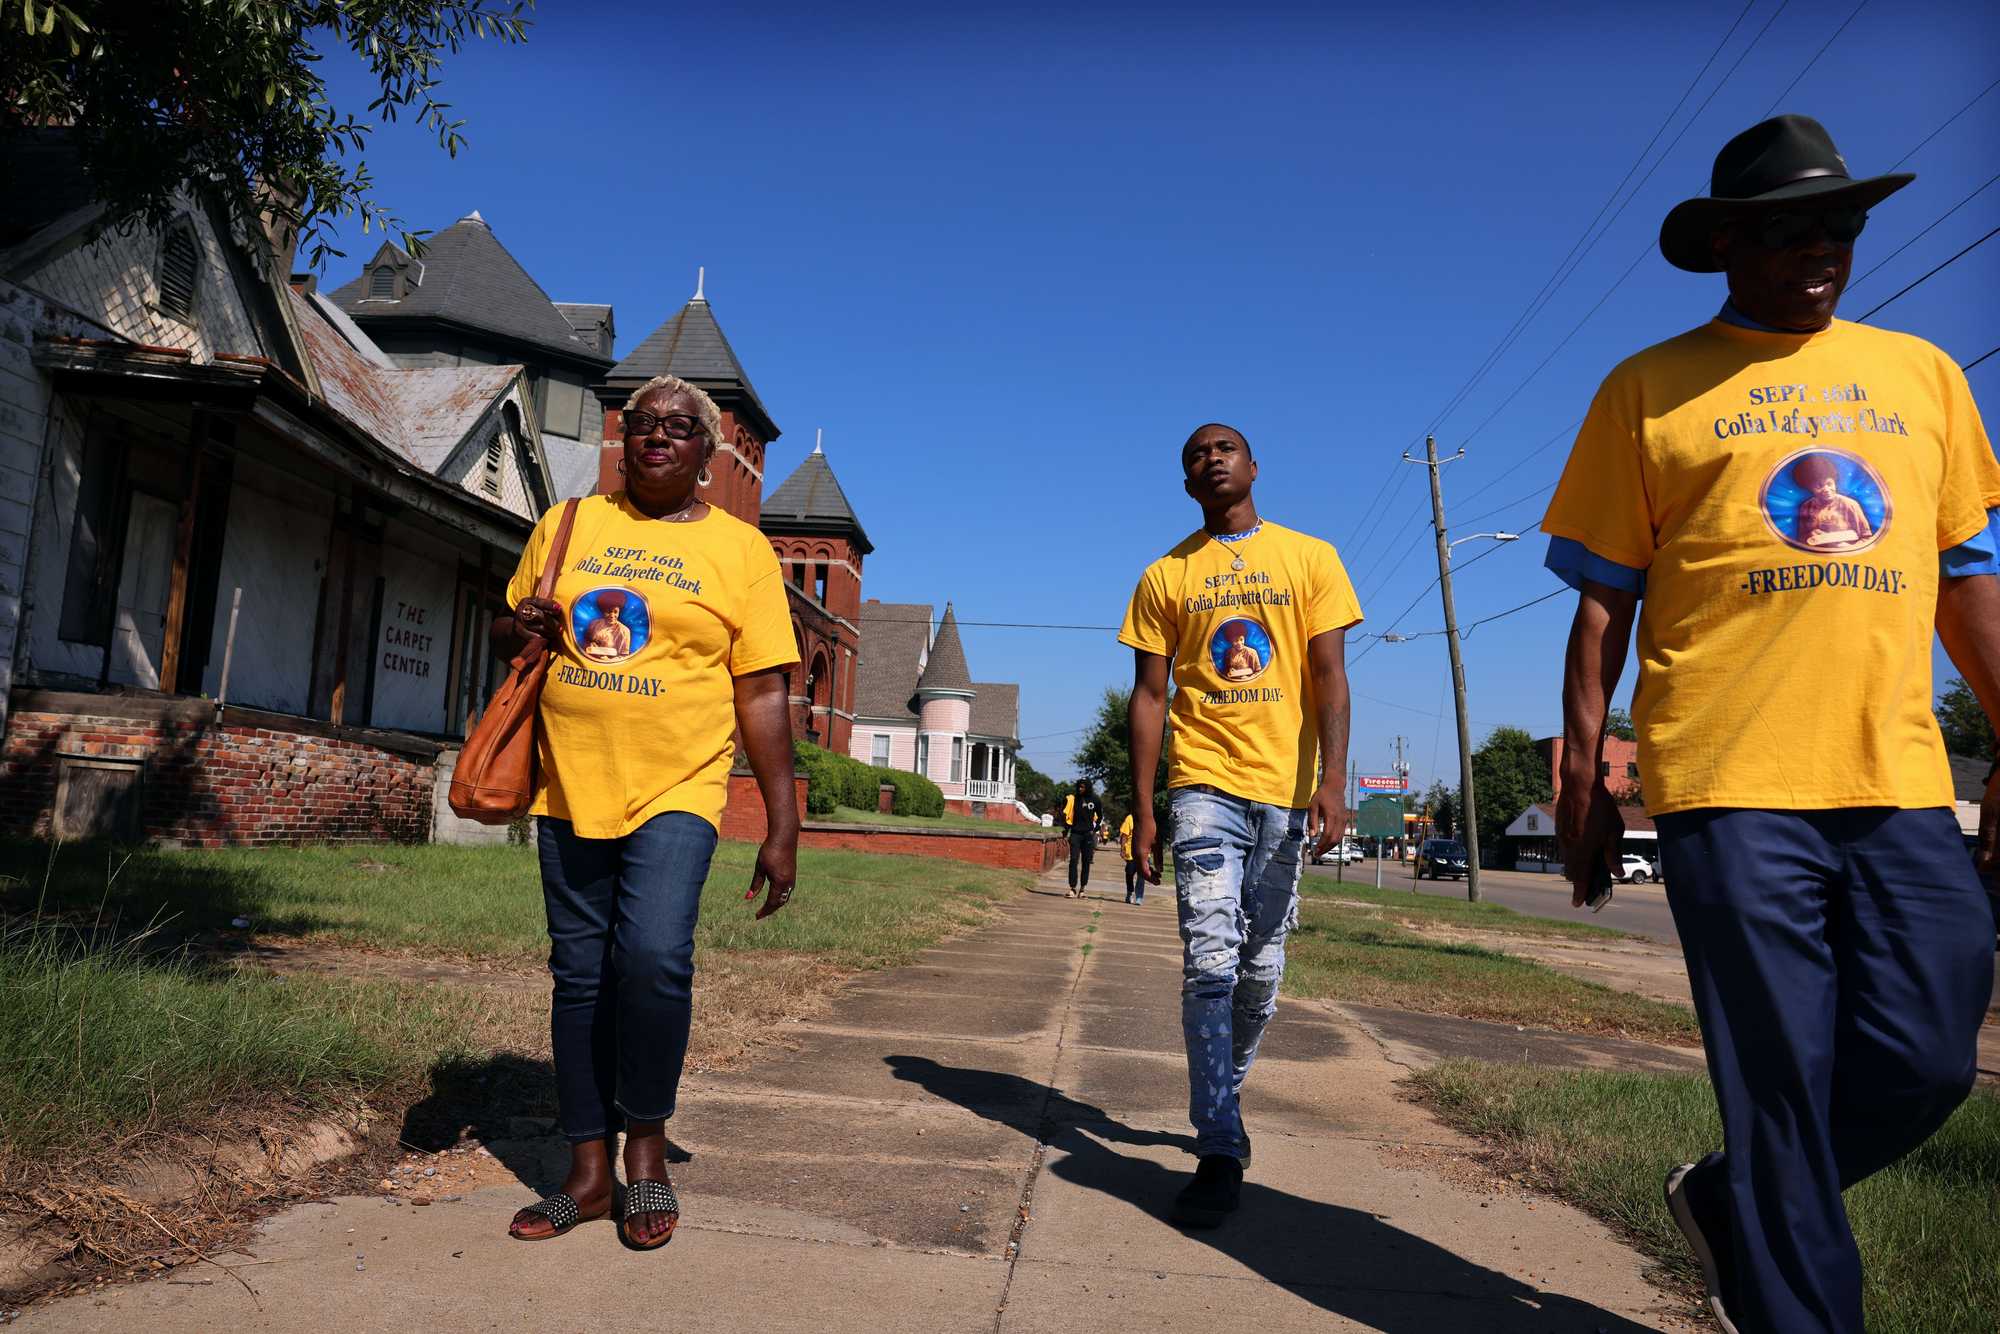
(1387, 783)
(1381, 817)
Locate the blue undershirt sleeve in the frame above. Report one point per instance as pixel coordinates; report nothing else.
(1978, 554)
(1573, 562)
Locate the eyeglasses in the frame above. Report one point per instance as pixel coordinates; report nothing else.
(680, 426)
(1783, 231)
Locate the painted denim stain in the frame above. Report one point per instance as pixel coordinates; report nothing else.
(1236, 876)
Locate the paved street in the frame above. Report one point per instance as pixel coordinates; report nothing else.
(1641, 909)
(986, 1140)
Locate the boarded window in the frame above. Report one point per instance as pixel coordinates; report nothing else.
(382, 284)
(179, 259)
(98, 799)
(90, 584)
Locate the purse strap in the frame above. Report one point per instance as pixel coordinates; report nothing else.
(560, 548)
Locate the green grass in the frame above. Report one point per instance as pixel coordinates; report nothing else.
(856, 909)
(99, 1042)
(949, 820)
(1929, 1227)
(1343, 953)
(1482, 916)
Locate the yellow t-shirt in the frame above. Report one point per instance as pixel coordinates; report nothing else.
(1242, 717)
(1125, 837)
(639, 713)
(1787, 496)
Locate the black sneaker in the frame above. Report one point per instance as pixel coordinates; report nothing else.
(1212, 1195)
(1702, 1215)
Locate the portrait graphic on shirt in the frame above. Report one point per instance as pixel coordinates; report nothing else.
(1240, 650)
(1826, 500)
(610, 624)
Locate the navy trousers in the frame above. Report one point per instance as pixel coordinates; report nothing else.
(1841, 961)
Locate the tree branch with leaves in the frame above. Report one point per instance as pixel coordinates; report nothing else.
(227, 95)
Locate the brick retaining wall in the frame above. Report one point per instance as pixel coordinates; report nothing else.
(208, 780)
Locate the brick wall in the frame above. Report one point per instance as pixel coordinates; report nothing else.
(246, 777)
(1011, 851)
(743, 817)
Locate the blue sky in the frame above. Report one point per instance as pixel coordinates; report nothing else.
(1008, 259)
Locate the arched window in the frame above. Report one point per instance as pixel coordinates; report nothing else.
(180, 262)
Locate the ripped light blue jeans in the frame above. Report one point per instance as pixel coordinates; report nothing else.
(1236, 876)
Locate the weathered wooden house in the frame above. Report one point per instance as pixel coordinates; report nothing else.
(246, 559)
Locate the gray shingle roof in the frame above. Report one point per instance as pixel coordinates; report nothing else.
(893, 636)
(592, 322)
(572, 465)
(996, 710)
(811, 501)
(946, 669)
(470, 279)
(692, 346)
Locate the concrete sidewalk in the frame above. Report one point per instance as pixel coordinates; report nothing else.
(986, 1140)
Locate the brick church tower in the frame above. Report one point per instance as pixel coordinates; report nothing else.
(820, 543)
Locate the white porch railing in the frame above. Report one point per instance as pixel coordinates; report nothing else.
(988, 789)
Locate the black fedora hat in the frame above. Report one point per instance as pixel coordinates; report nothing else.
(1786, 160)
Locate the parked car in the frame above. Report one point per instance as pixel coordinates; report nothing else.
(1340, 853)
(1441, 857)
(1636, 870)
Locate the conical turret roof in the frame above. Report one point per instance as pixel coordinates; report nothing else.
(811, 501)
(946, 669)
(692, 346)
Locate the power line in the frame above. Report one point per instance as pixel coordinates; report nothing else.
(1884, 261)
(1981, 357)
(1980, 96)
(1934, 272)
(1560, 274)
(1378, 637)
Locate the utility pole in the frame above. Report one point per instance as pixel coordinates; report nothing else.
(1468, 811)
(1402, 805)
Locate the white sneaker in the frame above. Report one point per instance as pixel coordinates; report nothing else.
(1706, 1228)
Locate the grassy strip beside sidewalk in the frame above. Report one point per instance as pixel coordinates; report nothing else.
(1929, 1227)
(857, 910)
(1368, 946)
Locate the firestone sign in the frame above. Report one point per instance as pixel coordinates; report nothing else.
(1390, 783)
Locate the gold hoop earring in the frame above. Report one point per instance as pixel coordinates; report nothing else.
(704, 478)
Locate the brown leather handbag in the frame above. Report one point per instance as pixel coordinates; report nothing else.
(495, 777)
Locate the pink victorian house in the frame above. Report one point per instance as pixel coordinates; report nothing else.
(916, 707)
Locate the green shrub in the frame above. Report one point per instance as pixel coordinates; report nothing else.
(915, 794)
(840, 780)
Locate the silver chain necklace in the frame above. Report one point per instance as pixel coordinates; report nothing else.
(1235, 555)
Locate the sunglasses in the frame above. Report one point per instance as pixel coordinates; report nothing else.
(679, 425)
(1783, 231)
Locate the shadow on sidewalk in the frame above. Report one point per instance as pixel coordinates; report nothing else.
(1346, 1261)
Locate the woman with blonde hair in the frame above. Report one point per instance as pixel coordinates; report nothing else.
(670, 635)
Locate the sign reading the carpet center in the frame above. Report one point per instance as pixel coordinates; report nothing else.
(1380, 817)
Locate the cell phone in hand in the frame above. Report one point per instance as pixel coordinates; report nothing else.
(1599, 893)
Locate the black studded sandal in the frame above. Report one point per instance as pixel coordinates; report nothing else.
(649, 1197)
(560, 1209)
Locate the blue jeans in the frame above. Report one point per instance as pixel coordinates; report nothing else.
(1841, 962)
(621, 950)
(1236, 874)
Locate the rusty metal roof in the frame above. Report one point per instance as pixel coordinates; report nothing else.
(421, 414)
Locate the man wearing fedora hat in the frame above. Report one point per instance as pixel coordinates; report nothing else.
(1800, 503)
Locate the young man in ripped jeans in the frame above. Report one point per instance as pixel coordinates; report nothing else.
(1251, 619)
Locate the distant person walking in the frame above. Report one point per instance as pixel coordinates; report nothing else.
(630, 785)
(1800, 502)
(1083, 813)
(1250, 619)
